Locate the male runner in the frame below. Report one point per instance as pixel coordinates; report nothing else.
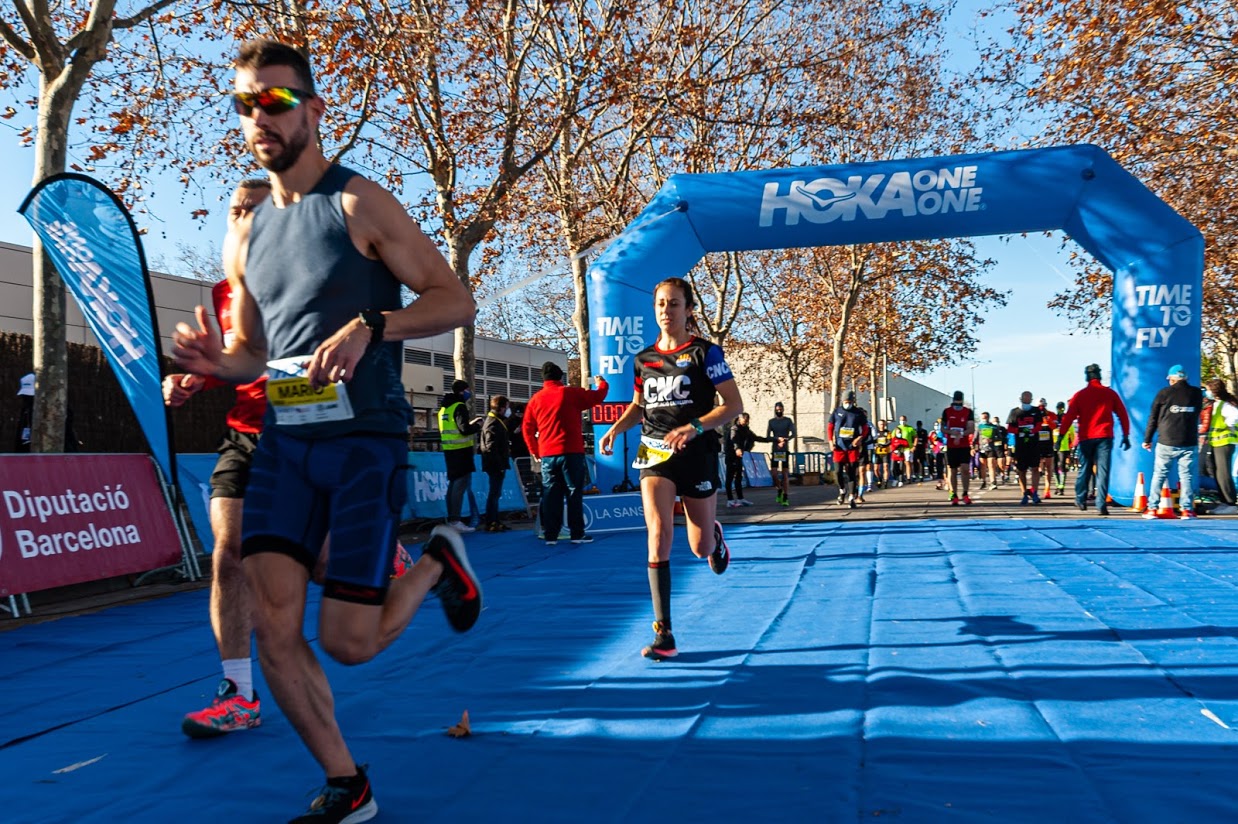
(1061, 450)
(1026, 421)
(846, 433)
(919, 449)
(986, 436)
(236, 705)
(1000, 452)
(1047, 450)
(959, 424)
(881, 455)
(780, 431)
(316, 274)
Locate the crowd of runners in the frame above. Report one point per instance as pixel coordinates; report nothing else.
(1032, 448)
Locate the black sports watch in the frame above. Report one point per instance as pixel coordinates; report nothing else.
(376, 322)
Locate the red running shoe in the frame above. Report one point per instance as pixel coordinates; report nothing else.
(229, 712)
(967, 500)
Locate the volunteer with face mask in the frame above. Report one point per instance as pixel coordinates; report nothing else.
(457, 431)
(495, 457)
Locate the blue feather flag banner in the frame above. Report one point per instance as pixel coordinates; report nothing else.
(92, 241)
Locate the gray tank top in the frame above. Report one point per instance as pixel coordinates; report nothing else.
(309, 280)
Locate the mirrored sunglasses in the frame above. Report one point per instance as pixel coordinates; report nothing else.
(275, 100)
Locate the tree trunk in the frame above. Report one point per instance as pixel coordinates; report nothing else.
(463, 352)
(580, 315)
(51, 359)
(872, 385)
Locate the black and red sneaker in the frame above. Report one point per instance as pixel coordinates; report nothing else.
(458, 588)
(720, 558)
(341, 801)
(663, 645)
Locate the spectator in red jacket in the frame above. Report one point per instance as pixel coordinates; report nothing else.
(552, 431)
(1093, 407)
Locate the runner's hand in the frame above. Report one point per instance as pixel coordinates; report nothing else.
(337, 357)
(607, 444)
(1126, 444)
(200, 350)
(179, 388)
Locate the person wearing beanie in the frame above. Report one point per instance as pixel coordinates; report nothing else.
(457, 430)
(552, 429)
(1092, 410)
(847, 432)
(1174, 424)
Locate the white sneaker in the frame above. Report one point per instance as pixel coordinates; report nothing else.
(461, 526)
(1224, 509)
(733, 504)
(745, 502)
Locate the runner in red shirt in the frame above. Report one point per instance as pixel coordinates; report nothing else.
(959, 425)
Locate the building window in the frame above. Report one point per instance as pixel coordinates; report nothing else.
(519, 373)
(420, 356)
(494, 369)
(444, 361)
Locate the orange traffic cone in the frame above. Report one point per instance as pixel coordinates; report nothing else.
(1165, 509)
(1141, 496)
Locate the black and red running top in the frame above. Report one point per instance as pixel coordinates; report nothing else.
(677, 386)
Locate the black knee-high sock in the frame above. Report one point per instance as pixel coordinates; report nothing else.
(660, 589)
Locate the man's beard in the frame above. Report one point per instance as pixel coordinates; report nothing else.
(290, 154)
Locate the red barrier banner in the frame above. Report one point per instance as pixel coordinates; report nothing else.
(66, 519)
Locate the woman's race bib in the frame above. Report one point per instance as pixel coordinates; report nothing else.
(296, 401)
(651, 452)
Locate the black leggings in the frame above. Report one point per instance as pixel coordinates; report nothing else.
(734, 478)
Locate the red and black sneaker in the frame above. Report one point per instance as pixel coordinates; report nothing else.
(663, 645)
(402, 563)
(458, 588)
(341, 801)
(229, 712)
(720, 558)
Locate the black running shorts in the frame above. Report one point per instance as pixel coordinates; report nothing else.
(1027, 456)
(693, 471)
(231, 474)
(958, 456)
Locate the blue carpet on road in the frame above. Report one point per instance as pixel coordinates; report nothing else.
(962, 671)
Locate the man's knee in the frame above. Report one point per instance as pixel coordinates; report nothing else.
(349, 649)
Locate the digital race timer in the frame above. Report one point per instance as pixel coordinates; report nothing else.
(607, 412)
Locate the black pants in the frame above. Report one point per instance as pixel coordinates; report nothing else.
(734, 477)
(1223, 461)
(848, 474)
(492, 497)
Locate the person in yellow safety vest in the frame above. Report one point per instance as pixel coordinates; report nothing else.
(1223, 435)
(457, 431)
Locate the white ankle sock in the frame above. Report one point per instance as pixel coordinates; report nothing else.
(241, 673)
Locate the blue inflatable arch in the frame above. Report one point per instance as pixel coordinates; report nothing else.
(1155, 254)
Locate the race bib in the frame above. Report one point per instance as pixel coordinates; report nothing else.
(778, 456)
(1046, 435)
(651, 452)
(297, 402)
(957, 431)
(846, 433)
